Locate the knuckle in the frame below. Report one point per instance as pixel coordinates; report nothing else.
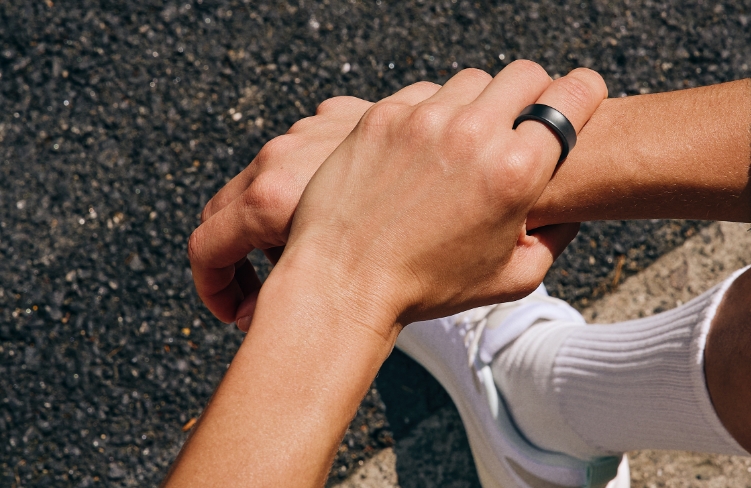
(301, 125)
(263, 193)
(427, 119)
(266, 202)
(475, 75)
(336, 103)
(577, 91)
(593, 79)
(328, 105)
(420, 91)
(379, 116)
(529, 67)
(273, 150)
(426, 88)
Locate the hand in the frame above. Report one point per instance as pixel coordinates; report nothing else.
(255, 209)
(421, 211)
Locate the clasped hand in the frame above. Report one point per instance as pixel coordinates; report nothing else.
(413, 207)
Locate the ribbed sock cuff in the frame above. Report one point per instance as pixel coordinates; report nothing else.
(641, 384)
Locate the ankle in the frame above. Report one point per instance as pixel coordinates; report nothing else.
(523, 374)
(597, 390)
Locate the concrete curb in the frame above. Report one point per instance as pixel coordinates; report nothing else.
(377, 472)
(678, 276)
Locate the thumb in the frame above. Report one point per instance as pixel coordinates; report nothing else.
(555, 238)
(536, 251)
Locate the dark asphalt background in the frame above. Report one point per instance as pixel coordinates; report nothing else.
(119, 121)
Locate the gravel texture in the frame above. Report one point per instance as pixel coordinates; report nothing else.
(121, 119)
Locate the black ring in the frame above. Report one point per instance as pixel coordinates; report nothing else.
(553, 120)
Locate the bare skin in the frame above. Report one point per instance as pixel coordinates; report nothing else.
(682, 154)
(300, 404)
(727, 359)
(368, 252)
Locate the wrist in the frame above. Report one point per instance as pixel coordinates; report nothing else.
(682, 154)
(313, 349)
(348, 293)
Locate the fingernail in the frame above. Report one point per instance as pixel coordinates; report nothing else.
(243, 323)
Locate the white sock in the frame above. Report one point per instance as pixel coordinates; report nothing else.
(595, 390)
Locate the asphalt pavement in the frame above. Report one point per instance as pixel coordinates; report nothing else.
(121, 119)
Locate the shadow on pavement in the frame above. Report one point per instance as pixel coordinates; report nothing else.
(431, 444)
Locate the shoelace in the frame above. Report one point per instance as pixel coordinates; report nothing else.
(480, 349)
(472, 326)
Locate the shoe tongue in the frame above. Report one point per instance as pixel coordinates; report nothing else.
(499, 315)
(500, 312)
(509, 321)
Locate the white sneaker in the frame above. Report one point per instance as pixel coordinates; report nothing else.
(457, 351)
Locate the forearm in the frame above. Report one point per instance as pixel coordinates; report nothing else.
(292, 389)
(369, 249)
(682, 154)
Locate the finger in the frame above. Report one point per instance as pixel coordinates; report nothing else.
(577, 96)
(334, 116)
(232, 233)
(555, 238)
(222, 303)
(245, 312)
(463, 88)
(220, 242)
(535, 253)
(517, 85)
(250, 285)
(343, 107)
(238, 285)
(270, 152)
(229, 192)
(247, 279)
(259, 218)
(415, 93)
